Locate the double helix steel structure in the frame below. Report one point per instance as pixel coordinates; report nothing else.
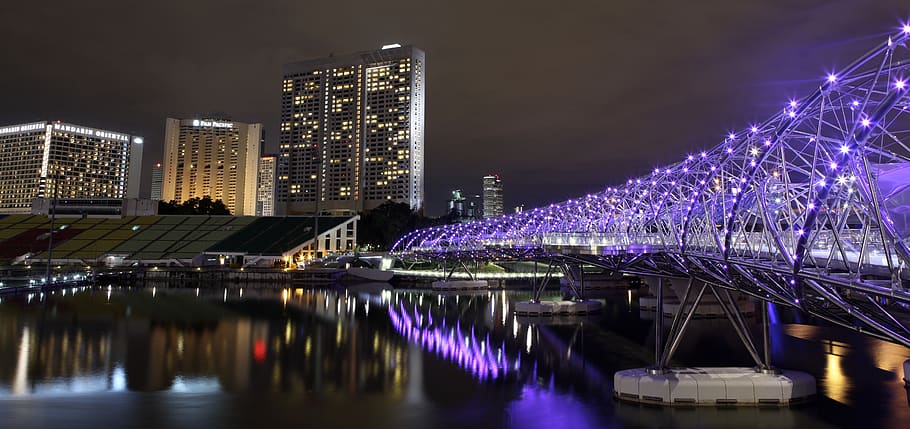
(810, 208)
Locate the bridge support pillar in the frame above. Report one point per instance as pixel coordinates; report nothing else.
(661, 384)
(535, 307)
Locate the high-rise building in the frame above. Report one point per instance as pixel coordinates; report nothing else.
(492, 196)
(48, 159)
(265, 192)
(156, 182)
(213, 157)
(352, 130)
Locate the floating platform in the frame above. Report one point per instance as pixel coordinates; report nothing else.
(731, 386)
(459, 285)
(552, 308)
(709, 308)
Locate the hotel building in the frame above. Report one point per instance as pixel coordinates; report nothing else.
(265, 191)
(213, 157)
(57, 159)
(156, 182)
(352, 130)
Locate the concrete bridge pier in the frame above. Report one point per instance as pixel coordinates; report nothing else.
(449, 284)
(576, 305)
(661, 384)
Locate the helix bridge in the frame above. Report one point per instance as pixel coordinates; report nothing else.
(809, 209)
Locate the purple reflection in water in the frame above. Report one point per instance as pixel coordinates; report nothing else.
(450, 343)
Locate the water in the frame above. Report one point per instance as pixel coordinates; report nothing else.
(373, 358)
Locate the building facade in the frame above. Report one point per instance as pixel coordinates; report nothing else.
(156, 182)
(57, 159)
(352, 132)
(213, 157)
(492, 196)
(265, 191)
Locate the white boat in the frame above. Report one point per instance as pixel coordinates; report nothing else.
(371, 274)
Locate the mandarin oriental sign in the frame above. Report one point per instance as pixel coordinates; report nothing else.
(22, 128)
(67, 128)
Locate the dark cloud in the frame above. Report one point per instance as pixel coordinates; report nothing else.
(560, 98)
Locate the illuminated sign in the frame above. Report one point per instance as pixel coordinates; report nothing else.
(22, 128)
(392, 46)
(75, 129)
(213, 124)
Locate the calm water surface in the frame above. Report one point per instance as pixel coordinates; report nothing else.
(368, 357)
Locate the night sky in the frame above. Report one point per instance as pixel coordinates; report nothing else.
(560, 98)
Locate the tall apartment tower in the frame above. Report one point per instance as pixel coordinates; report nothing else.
(265, 191)
(492, 196)
(44, 159)
(213, 157)
(156, 182)
(352, 130)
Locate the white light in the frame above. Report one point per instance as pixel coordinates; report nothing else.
(792, 114)
(865, 122)
(792, 103)
(906, 28)
(900, 84)
(392, 46)
(832, 77)
(138, 140)
(844, 149)
(195, 122)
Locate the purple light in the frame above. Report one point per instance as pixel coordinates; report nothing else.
(844, 149)
(732, 136)
(855, 103)
(704, 154)
(865, 122)
(729, 150)
(833, 165)
(832, 77)
(792, 114)
(767, 142)
(900, 84)
(754, 129)
(792, 103)
(906, 28)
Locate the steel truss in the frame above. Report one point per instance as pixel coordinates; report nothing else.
(810, 208)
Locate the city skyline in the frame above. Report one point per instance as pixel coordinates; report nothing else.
(599, 116)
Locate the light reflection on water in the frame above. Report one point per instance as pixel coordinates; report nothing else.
(429, 359)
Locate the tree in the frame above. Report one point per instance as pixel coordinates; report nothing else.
(193, 206)
(384, 225)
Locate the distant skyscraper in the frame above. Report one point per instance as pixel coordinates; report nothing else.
(156, 182)
(43, 159)
(265, 193)
(213, 157)
(492, 196)
(352, 130)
